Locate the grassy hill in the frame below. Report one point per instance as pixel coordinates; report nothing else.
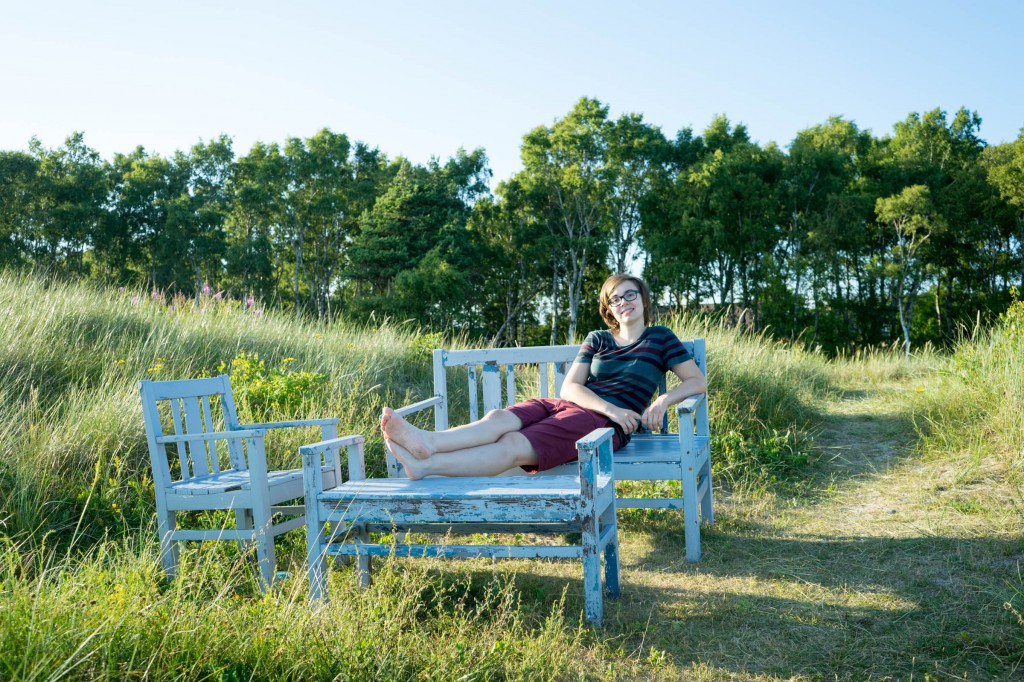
(869, 516)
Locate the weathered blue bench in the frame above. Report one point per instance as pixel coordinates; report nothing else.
(582, 502)
(498, 377)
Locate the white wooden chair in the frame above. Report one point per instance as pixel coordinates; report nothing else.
(498, 377)
(217, 463)
(583, 503)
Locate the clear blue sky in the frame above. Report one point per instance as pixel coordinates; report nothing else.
(423, 78)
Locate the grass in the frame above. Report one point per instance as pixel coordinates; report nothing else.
(868, 517)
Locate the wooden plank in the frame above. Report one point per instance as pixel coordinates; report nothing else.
(171, 390)
(649, 502)
(510, 384)
(441, 488)
(560, 369)
(456, 510)
(518, 356)
(457, 551)
(186, 470)
(491, 383)
(545, 377)
(473, 409)
(193, 425)
(208, 420)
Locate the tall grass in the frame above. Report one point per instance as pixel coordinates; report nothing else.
(81, 594)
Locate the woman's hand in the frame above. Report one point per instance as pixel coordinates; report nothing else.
(627, 419)
(654, 416)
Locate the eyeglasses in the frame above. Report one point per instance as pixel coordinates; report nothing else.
(615, 300)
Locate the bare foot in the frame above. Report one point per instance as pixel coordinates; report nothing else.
(415, 441)
(413, 466)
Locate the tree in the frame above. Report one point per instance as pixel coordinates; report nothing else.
(637, 156)
(256, 191)
(564, 172)
(317, 220)
(19, 191)
(911, 216)
(71, 191)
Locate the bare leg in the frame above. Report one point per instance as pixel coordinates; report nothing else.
(511, 450)
(422, 444)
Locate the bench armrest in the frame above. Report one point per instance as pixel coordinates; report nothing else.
(418, 407)
(320, 447)
(312, 454)
(690, 405)
(215, 435)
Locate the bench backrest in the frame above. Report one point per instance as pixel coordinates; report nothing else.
(492, 375)
(190, 406)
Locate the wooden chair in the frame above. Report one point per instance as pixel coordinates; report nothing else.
(583, 503)
(217, 463)
(498, 377)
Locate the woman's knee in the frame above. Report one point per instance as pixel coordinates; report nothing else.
(505, 418)
(516, 444)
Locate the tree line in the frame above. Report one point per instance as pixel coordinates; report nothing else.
(841, 240)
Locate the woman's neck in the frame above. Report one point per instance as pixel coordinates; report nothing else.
(629, 334)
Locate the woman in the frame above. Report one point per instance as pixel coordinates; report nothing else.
(610, 383)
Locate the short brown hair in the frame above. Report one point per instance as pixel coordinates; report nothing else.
(606, 291)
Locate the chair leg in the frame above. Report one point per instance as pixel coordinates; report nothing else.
(691, 521)
(316, 560)
(243, 521)
(166, 525)
(264, 545)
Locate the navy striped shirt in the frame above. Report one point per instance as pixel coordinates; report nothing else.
(628, 376)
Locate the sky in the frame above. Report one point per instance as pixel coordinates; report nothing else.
(422, 79)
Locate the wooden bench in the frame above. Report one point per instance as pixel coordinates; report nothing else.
(498, 377)
(583, 503)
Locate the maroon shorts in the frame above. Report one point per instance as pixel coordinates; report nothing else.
(553, 426)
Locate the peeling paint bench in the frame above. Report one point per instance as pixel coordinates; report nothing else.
(582, 503)
(498, 377)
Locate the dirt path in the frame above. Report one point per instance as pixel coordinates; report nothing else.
(888, 569)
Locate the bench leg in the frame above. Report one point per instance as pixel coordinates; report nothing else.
(593, 599)
(706, 513)
(364, 566)
(611, 554)
(691, 521)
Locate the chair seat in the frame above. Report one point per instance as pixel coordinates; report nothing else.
(235, 480)
(648, 448)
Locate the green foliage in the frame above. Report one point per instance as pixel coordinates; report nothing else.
(278, 390)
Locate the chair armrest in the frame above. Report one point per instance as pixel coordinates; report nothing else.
(330, 421)
(690, 405)
(215, 435)
(418, 407)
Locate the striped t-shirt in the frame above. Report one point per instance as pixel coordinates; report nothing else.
(628, 376)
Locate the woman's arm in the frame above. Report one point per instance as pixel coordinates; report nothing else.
(574, 390)
(692, 382)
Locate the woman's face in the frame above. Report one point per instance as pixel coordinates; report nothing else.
(626, 312)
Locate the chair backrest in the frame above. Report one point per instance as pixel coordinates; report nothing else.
(190, 407)
(493, 373)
